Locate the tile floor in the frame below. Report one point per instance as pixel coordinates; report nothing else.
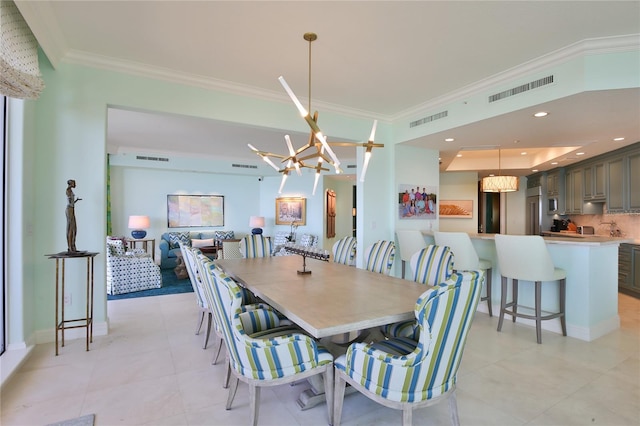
(151, 370)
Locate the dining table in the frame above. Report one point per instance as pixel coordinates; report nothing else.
(332, 299)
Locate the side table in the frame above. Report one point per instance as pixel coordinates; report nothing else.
(87, 322)
(133, 243)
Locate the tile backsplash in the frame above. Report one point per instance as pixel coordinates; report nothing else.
(628, 224)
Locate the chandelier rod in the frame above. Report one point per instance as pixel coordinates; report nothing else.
(310, 37)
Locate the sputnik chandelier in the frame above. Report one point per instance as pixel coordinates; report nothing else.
(318, 145)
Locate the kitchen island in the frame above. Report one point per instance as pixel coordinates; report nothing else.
(591, 263)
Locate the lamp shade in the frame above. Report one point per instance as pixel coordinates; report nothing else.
(256, 222)
(500, 184)
(138, 224)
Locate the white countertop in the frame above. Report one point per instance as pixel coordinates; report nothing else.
(563, 238)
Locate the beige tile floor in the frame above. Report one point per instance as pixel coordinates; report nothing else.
(151, 370)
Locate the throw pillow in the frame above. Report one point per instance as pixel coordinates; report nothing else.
(224, 235)
(175, 238)
(201, 243)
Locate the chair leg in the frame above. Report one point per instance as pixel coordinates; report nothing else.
(538, 296)
(407, 415)
(563, 321)
(232, 393)
(215, 358)
(403, 266)
(515, 299)
(254, 403)
(227, 376)
(488, 274)
(453, 408)
(328, 390)
(338, 399)
(208, 333)
(200, 321)
(503, 301)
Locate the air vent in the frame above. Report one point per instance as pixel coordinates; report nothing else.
(145, 158)
(244, 166)
(351, 166)
(522, 88)
(429, 119)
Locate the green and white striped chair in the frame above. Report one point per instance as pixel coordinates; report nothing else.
(188, 255)
(379, 257)
(344, 251)
(404, 374)
(264, 360)
(255, 245)
(431, 265)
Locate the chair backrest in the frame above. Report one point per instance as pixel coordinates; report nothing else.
(379, 257)
(256, 358)
(432, 265)
(231, 249)
(255, 245)
(409, 242)
(344, 250)
(444, 316)
(115, 247)
(189, 256)
(460, 244)
(524, 257)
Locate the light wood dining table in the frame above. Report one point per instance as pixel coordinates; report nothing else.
(334, 299)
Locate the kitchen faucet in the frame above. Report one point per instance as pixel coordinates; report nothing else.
(613, 232)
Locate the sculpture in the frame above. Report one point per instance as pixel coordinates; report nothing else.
(71, 216)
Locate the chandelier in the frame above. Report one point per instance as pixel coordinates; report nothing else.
(317, 147)
(499, 183)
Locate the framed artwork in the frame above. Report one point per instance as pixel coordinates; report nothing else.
(461, 209)
(195, 210)
(290, 210)
(417, 202)
(331, 213)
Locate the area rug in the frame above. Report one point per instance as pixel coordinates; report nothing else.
(78, 421)
(170, 285)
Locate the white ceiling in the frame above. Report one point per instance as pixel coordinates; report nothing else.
(372, 59)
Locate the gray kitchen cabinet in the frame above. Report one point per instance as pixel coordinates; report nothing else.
(629, 269)
(615, 187)
(594, 183)
(573, 192)
(553, 183)
(634, 182)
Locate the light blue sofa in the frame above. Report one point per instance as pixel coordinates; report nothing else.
(169, 251)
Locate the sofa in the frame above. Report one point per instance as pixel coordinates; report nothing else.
(170, 243)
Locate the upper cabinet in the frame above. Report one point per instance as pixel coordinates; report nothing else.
(553, 184)
(594, 182)
(615, 189)
(634, 182)
(573, 192)
(623, 191)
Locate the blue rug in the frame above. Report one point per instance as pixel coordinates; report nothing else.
(170, 285)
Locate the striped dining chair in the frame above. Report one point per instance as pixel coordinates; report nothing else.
(379, 257)
(405, 374)
(432, 265)
(188, 255)
(344, 251)
(255, 245)
(265, 360)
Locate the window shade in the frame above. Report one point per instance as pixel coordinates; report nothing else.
(19, 69)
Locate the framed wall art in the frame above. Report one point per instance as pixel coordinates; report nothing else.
(290, 210)
(451, 209)
(417, 202)
(195, 210)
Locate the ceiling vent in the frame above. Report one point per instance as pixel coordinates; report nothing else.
(351, 166)
(429, 119)
(521, 89)
(145, 158)
(244, 166)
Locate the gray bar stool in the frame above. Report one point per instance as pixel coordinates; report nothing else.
(526, 258)
(410, 241)
(466, 258)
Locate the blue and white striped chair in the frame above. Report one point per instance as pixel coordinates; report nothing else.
(379, 257)
(188, 255)
(266, 360)
(255, 245)
(431, 265)
(344, 251)
(404, 374)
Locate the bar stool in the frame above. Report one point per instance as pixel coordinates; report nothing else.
(526, 257)
(466, 258)
(410, 241)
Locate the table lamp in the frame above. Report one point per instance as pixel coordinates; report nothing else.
(256, 222)
(138, 224)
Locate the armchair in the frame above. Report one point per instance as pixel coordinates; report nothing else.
(405, 374)
(344, 251)
(379, 257)
(255, 246)
(129, 271)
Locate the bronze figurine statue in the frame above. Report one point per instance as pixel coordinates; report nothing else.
(71, 216)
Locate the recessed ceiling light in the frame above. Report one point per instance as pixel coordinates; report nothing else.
(534, 170)
(554, 163)
(459, 155)
(449, 140)
(618, 139)
(579, 153)
(523, 153)
(541, 114)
